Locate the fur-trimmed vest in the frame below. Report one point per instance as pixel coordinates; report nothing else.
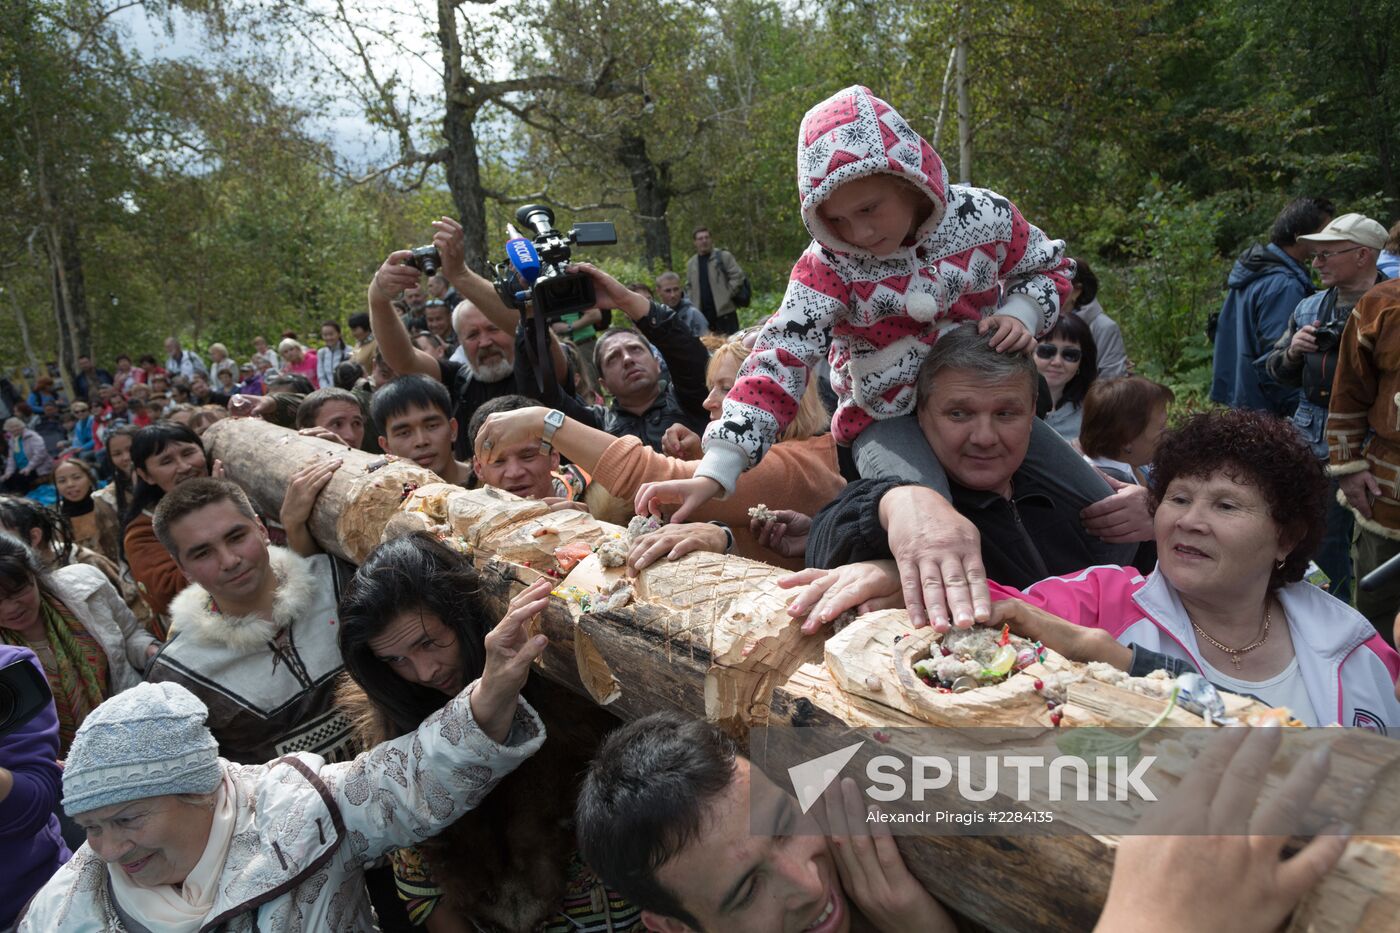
(269, 685)
(504, 866)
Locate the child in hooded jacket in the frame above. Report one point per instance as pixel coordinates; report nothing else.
(898, 256)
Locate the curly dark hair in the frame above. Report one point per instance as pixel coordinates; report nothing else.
(1261, 450)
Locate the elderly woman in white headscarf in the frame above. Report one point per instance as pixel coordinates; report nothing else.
(180, 840)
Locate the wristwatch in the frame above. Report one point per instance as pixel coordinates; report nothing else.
(553, 421)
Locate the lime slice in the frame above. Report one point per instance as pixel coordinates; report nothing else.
(1000, 664)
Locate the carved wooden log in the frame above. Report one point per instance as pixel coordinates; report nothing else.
(710, 635)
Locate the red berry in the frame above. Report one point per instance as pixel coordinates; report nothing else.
(1055, 717)
(1039, 684)
(1051, 704)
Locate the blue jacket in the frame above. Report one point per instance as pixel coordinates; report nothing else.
(83, 439)
(1266, 285)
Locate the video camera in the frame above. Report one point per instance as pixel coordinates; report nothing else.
(23, 694)
(541, 264)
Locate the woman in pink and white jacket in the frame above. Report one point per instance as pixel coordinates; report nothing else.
(1239, 511)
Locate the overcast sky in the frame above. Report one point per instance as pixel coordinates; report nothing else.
(344, 126)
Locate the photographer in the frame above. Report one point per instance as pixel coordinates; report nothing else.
(484, 326)
(30, 780)
(1344, 255)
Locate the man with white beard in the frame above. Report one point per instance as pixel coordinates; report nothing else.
(489, 350)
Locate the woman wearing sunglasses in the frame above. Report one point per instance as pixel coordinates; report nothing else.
(1068, 360)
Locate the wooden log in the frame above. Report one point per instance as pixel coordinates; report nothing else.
(351, 510)
(710, 635)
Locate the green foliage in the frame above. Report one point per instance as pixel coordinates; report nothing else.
(1163, 297)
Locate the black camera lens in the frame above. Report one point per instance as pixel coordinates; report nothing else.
(426, 260)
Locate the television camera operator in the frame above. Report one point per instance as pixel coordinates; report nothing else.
(645, 402)
(30, 782)
(1344, 254)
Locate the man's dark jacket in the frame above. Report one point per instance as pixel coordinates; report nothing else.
(682, 396)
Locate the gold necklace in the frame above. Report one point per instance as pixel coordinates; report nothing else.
(1235, 653)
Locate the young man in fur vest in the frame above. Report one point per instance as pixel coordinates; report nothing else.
(254, 635)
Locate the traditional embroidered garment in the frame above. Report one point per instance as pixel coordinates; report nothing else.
(587, 905)
(532, 879)
(1363, 420)
(75, 664)
(269, 685)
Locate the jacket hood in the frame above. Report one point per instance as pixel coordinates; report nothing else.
(1261, 260)
(194, 615)
(854, 134)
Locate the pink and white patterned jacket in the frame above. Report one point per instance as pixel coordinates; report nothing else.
(876, 317)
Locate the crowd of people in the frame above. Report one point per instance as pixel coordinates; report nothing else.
(246, 733)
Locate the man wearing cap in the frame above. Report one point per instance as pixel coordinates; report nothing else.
(180, 840)
(1344, 255)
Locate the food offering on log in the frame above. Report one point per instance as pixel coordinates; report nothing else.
(762, 513)
(975, 676)
(965, 659)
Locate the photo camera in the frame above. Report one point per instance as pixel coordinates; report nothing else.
(536, 269)
(23, 694)
(425, 259)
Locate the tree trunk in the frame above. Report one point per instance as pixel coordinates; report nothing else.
(651, 186)
(464, 180)
(65, 271)
(22, 320)
(458, 127)
(964, 103)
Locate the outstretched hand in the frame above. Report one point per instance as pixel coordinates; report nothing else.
(612, 293)
(451, 243)
(939, 553)
(686, 494)
(864, 586)
(674, 541)
(1222, 868)
(1360, 489)
(785, 533)
(325, 434)
(299, 501)
(680, 442)
(394, 276)
(508, 429)
(510, 650)
(1122, 518)
(873, 873)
